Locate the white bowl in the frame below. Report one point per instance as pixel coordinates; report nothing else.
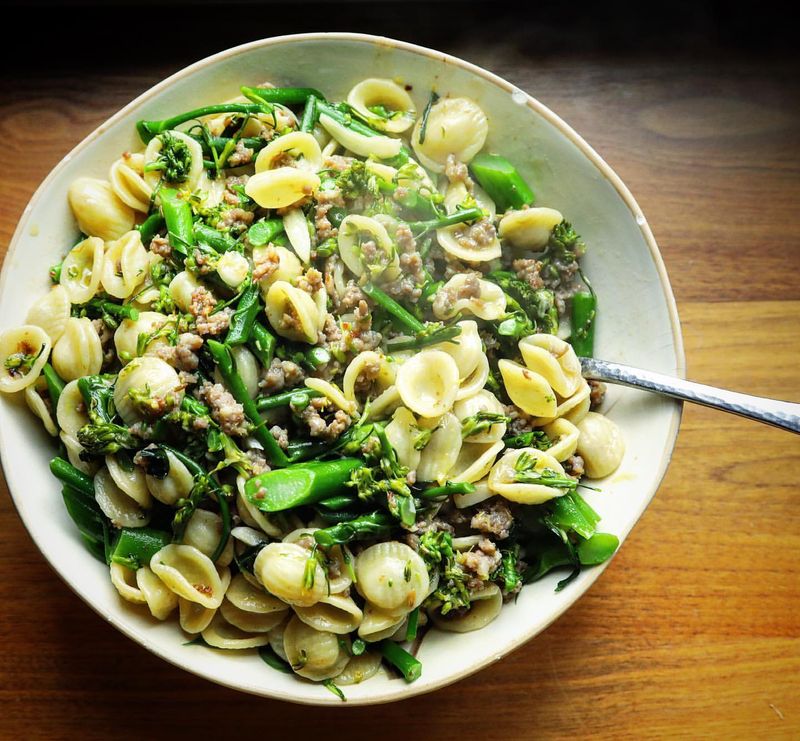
(638, 325)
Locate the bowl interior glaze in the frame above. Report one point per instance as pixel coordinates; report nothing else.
(638, 325)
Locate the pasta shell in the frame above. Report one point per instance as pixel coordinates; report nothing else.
(189, 573)
(428, 383)
(334, 614)
(484, 607)
(600, 444)
(382, 147)
(474, 461)
(98, 210)
(481, 494)
(176, 485)
(203, 532)
(553, 359)
(466, 350)
(386, 93)
(23, 353)
(292, 313)
(440, 454)
(529, 228)
(454, 126)
(194, 618)
(573, 408)
(564, 436)
(489, 303)
(51, 312)
(125, 265)
(476, 380)
(359, 669)
(287, 266)
(82, 270)
(254, 517)
(400, 433)
(365, 247)
(314, 654)
(181, 288)
(298, 147)
(36, 403)
(116, 504)
(527, 389)
(221, 634)
(371, 367)
(233, 268)
(130, 479)
(297, 230)
(332, 392)
(281, 187)
(128, 183)
(392, 576)
(146, 388)
(126, 336)
(154, 178)
(281, 568)
(251, 622)
(250, 598)
(377, 625)
(161, 601)
(483, 401)
(502, 479)
(124, 581)
(74, 450)
(78, 351)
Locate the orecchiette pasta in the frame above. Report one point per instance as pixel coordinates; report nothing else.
(314, 654)
(297, 149)
(82, 270)
(175, 158)
(122, 510)
(365, 247)
(384, 104)
(428, 383)
(282, 567)
(292, 312)
(454, 126)
(125, 265)
(98, 210)
(466, 294)
(281, 187)
(189, 573)
(392, 576)
(23, 351)
(600, 444)
(78, 351)
(128, 183)
(530, 228)
(506, 481)
(382, 147)
(51, 312)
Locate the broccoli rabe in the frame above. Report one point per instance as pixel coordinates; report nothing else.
(174, 161)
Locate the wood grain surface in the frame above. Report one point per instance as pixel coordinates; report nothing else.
(694, 629)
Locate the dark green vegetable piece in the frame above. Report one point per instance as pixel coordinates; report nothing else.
(136, 546)
(98, 395)
(331, 686)
(54, 384)
(338, 502)
(597, 549)
(110, 312)
(537, 303)
(219, 143)
(264, 231)
(297, 398)
(395, 655)
(374, 525)
(582, 321)
(90, 521)
(270, 658)
(178, 217)
(150, 227)
(300, 484)
(174, 160)
(459, 217)
(106, 438)
(423, 128)
(501, 181)
(221, 355)
(218, 241)
(309, 115)
(413, 622)
(65, 472)
(434, 492)
(436, 549)
(534, 439)
(241, 324)
(571, 513)
(262, 344)
(287, 96)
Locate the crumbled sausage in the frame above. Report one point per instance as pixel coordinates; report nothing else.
(201, 306)
(574, 466)
(281, 374)
(235, 219)
(456, 172)
(281, 436)
(269, 261)
(596, 394)
(528, 270)
(494, 518)
(226, 411)
(326, 200)
(338, 162)
(183, 355)
(481, 561)
(160, 246)
(311, 281)
(317, 426)
(241, 155)
(480, 234)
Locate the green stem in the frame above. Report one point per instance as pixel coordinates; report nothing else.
(221, 355)
(400, 659)
(449, 488)
(366, 527)
(262, 344)
(459, 217)
(301, 484)
(442, 334)
(65, 472)
(150, 227)
(404, 317)
(178, 217)
(54, 384)
(292, 396)
(309, 115)
(582, 321)
(241, 324)
(500, 179)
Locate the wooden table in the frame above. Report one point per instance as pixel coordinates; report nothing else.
(695, 627)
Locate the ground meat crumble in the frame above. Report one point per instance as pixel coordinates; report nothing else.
(225, 410)
(494, 518)
(312, 417)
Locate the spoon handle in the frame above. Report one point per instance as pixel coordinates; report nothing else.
(783, 414)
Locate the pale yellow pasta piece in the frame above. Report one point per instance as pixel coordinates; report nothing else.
(74, 451)
(573, 408)
(146, 387)
(51, 312)
(122, 510)
(281, 187)
(377, 624)
(375, 91)
(233, 268)
(454, 126)
(428, 383)
(485, 606)
(130, 479)
(161, 601)
(281, 568)
(194, 618)
(334, 614)
(82, 270)
(181, 288)
(128, 183)
(474, 461)
(401, 433)
(203, 531)
(483, 401)
(600, 444)
(475, 381)
(249, 598)
(189, 573)
(23, 353)
(488, 303)
(355, 232)
(475, 242)
(371, 369)
(297, 231)
(297, 148)
(564, 436)
(481, 494)
(34, 399)
(124, 581)
(126, 336)
(360, 668)
(314, 654)
(78, 351)
(251, 622)
(503, 477)
(392, 576)
(292, 313)
(529, 228)
(382, 147)
(440, 454)
(221, 634)
(177, 484)
(98, 210)
(466, 349)
(527, 389)
(71, 409)
(553, 359)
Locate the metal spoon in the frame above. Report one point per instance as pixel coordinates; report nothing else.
(783, 414)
